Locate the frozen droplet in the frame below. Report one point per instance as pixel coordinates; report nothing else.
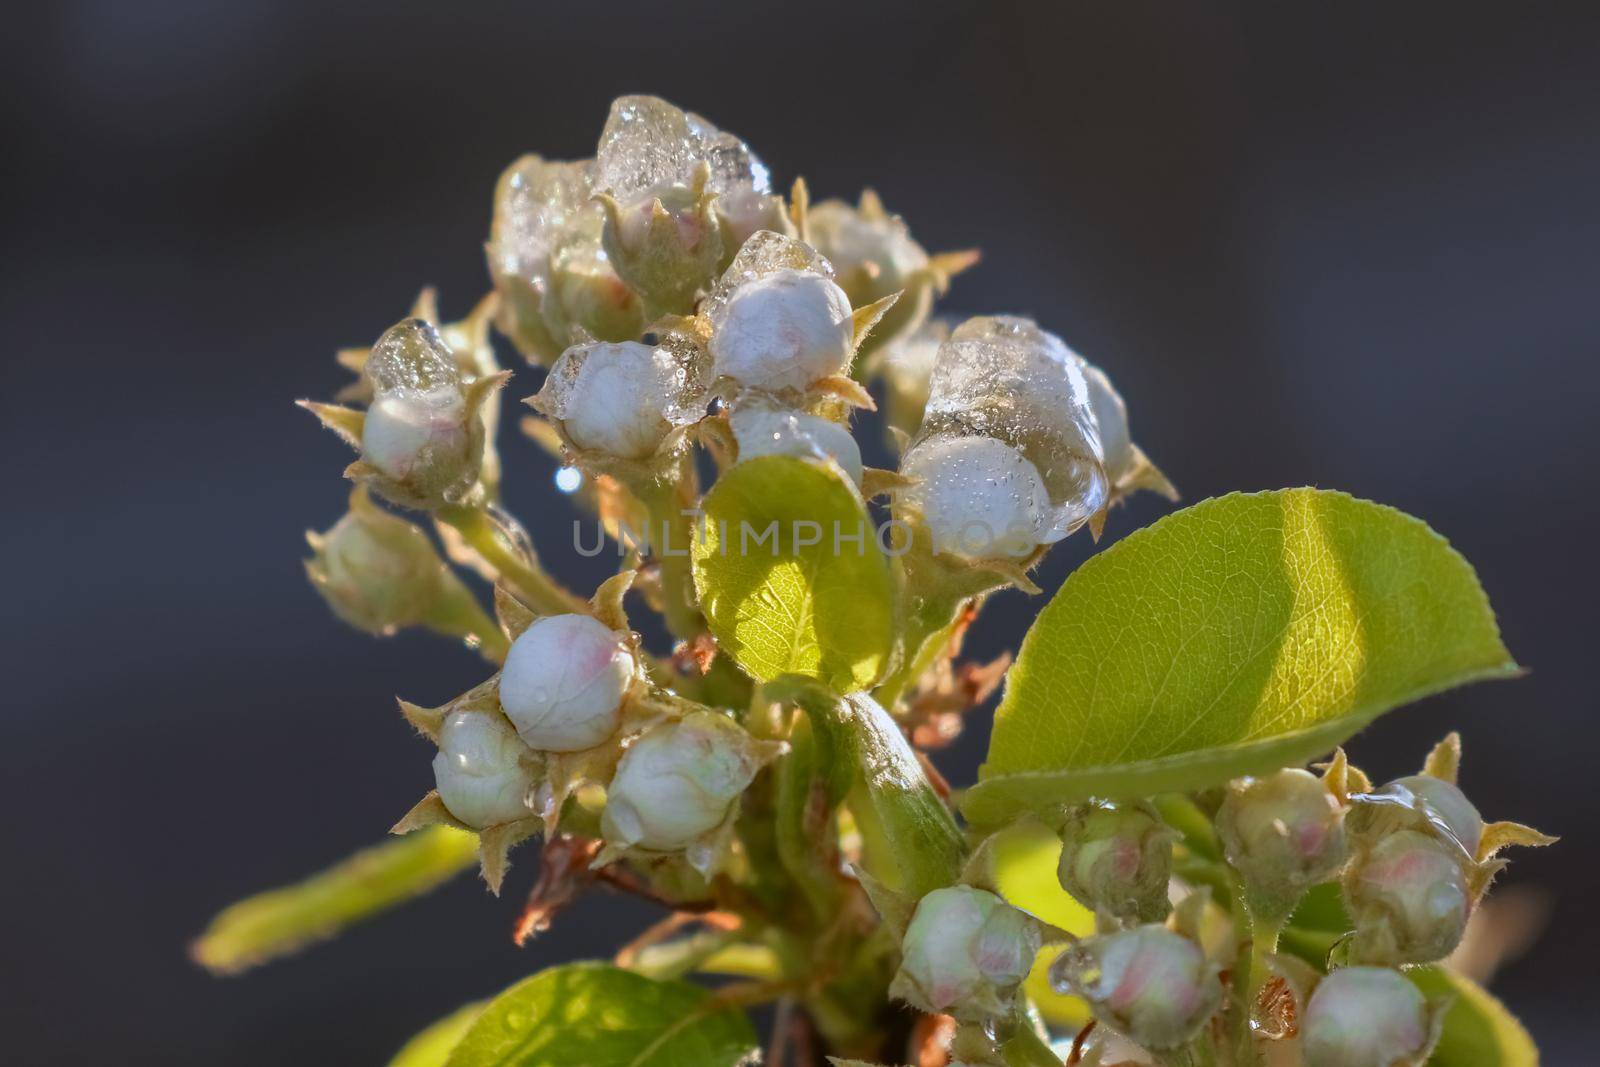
(648, 145)
(623, 399)
(1005, 378)
(411, 359)
(765, 252)
(537, 202)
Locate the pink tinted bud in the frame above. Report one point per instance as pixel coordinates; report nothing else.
(1117, 859)
(563, 682)
(1408, 896)
(1284, 833)
(965, 953)
(1366, 1017)
(1149, 983)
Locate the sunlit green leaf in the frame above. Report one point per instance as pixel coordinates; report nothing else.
(281, 921)
(1478, 1030)
(1243, 634)
(791, 577)
(603, 1016)
(432, 1047)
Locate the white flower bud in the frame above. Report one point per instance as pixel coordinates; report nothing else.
(679, 782)
(377, 571)
(1117, 858)
(563, 682)
(783, 330)
(1408, 895)
(613, 398)
(965, 953)
(483, 771)
(415, 430)
(978, 497)
(1284, 833)
(1111, 418)
(763, 430)
(1149, 983)
(1366, 1017)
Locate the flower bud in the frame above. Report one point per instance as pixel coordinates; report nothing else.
(746, 212)
(666, 245)
(586, 298)
(483, 771)
(875, 256)
(1127, 467)
(1284, 833)
(762, 429)
(965, 953)
(907, 368)
(1407, 893)
(622, 399)
(377, 571)
(421, 434)
(1153, 985)
(1367, 1017)
(679, 782)
(537, 204)
(783, 331)
(1423, 803)
(564, 681)
(1117, 859)
(978, 498)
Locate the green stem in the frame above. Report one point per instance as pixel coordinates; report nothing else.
(457, 614)
(523, 576)
(671, 533)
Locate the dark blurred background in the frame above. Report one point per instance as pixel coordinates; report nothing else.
(1344, 245)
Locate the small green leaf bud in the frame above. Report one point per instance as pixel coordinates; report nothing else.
(763, 429)
(680, 781)
(379, 572)
(483, 771)
(667, 245)
(1149, 983)
(783, 331)
(1408, 894)
(1117, 859)
(1284, 833)
(978, 498)
(965, 953)
(564, 682)
(1367, 1017)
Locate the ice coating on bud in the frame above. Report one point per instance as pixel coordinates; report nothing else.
(907, 367)
(874, 256)
(1408, 896)
(418, 429)
(649, 144)
(1117, 859)
(679, 782)
(585, 294)
(782, 331)
(965, 953)
(764, 429)
(483, 771)
(977, 497)
(1422, 802)
(1366, 1017)
(667, 245)
(1284, 833)
(623, 399)
(564, 681)
(1149, 983)
(375, 570)
(536, 204)
(1004, 377)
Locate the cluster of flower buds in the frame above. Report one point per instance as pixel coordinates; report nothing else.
(1010, 454)
(1149, 983)
(1117, 860)
(1368, 1017)
(965, 953)
(1283, 833)
(1421, 859)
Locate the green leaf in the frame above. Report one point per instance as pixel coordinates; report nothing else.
(1478, 1030)
(280, 921)
(1243, 634)
(913, 843)
(432, 1047)
(779, 605)
(603, 1016)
